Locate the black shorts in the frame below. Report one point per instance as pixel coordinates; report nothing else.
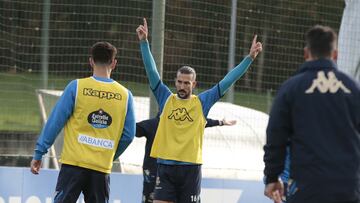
(178, 183)
(73, 180)
(149, 176)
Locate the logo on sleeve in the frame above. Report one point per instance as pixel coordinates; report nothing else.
(99, 119)
(180, 114)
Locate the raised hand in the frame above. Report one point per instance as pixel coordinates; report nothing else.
(256, 48)
(142, 31)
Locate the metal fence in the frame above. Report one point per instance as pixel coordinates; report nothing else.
(45, 44)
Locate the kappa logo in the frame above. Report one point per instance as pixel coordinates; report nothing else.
(101, 94)
(180, 114)
(330, 84)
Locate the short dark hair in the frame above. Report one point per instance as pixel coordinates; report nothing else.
(321, 41)
(187, 70)
(103, 53)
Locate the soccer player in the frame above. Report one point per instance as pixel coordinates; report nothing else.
(99, 123)
(178, 141)
(147, 129)
(318, 112)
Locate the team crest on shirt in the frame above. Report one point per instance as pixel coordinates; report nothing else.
(99, 119)
(180, 114)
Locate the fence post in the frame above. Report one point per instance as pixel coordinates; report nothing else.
(232, 41)
(157, 45)
(45, 42)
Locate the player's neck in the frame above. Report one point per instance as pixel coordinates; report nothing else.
(102, 72)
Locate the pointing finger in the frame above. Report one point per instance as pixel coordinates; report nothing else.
(254, 40)
(145, 23)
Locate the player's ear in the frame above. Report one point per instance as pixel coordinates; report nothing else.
(91, 62)
(194, 84)
(306, 53)
(113, 64)
(334, 55)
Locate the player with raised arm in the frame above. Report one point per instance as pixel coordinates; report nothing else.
(179, 137)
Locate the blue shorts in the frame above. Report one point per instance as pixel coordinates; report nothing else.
(178, 183)
(149, 175)
(73, 180)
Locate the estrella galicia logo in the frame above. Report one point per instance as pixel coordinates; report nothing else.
(180, 114)
(99, 119)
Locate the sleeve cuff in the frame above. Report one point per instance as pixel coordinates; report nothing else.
(144, 41)
(249, 58)
(37, 156)
(270, 179)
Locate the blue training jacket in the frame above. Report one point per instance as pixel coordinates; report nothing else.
(318, 111)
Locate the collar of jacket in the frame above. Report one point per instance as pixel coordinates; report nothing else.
(319, 64)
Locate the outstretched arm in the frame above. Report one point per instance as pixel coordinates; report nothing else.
(150, 66)
(161, 91)
(209, 97)
(240, 69)
(211, 122)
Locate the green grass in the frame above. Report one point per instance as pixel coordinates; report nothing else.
(19, 106)
(20, 109)
(260, 102)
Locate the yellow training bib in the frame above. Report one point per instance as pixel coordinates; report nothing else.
(180, 132)
(93, 131)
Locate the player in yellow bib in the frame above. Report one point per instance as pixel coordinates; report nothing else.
(98, 118)
(147, 129)
(179, 137)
